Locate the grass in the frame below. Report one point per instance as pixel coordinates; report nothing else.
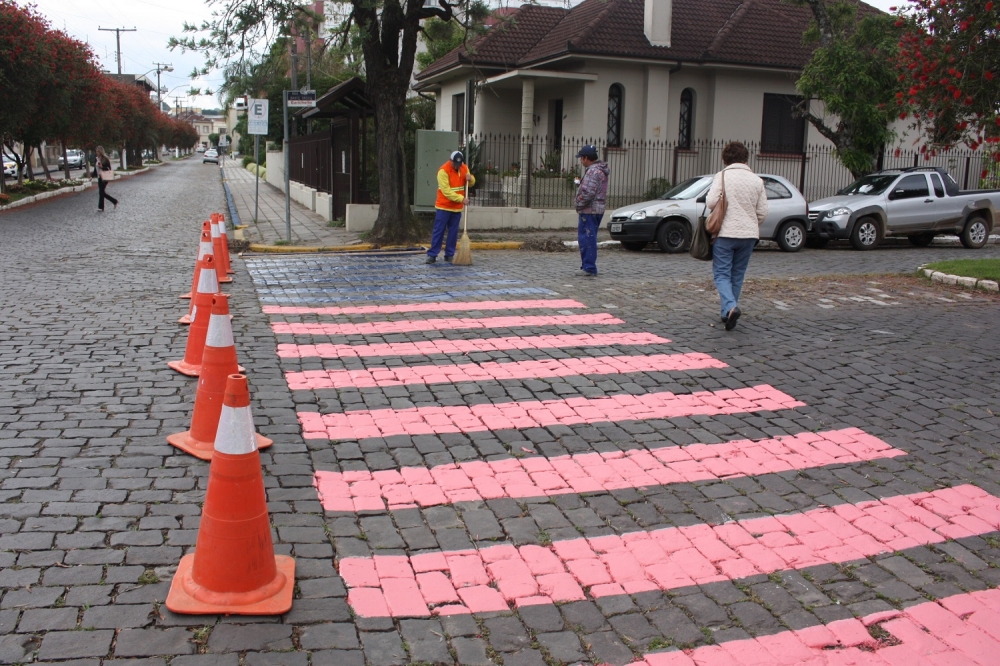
(981, 269)
(282, 242)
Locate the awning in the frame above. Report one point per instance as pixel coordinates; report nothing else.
(344, 99)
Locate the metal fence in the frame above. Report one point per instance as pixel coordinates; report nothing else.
(310, 160)
(642, 170)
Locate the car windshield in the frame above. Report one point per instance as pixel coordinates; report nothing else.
(870, 185)
(689, 189)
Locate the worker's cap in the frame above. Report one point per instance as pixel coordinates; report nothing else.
(588, 151)
(457, 157)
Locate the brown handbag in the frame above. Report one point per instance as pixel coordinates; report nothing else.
(714, 222)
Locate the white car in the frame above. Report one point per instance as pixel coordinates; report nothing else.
(670, 221)
(9, 169)
(210, 155)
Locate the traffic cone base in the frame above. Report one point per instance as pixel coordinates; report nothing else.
(189, 598)
(204, 450)
(190, 369)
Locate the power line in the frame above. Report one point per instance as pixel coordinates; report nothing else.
(118, 37)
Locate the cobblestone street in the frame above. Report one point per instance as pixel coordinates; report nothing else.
(503, 463)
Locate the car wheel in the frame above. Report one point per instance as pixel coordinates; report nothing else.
(867, 234)
(817, 243)
(976, 233)
(673, 236)
(920, 240)
(792, 236)
(634, 246)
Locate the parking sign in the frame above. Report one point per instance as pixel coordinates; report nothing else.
(257, 116)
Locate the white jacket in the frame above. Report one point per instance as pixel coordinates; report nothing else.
(747, 201)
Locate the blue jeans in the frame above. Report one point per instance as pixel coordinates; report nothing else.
(730, 257)
(586, 233)
(445, 220)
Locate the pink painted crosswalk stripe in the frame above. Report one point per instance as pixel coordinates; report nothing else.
(361, 423)
(592, 472)
(428, 347)
(960, 629)
(479, 372)
(426, 307)
(409, 326)
(498, 577)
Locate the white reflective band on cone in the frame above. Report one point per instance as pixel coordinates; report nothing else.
(208, 282)
(222, 227)
(203, 249)
(194, 312)
(236, 435)
(220, 332)
(215, 230)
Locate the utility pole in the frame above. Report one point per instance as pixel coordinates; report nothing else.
(161, 67)
(118, 38)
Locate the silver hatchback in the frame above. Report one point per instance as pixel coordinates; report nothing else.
(670, 220)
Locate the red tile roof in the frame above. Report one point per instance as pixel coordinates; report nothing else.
(765, 33)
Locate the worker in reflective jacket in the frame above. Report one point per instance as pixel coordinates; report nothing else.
(454, 181)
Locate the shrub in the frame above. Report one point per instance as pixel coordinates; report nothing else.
(4, 199)
(35, 186)
(655, 188)
(247, 160)
(16, 188)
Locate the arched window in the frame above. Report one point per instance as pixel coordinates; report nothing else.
(687, 120)
(616, 95)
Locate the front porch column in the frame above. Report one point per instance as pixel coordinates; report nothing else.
(527, 122)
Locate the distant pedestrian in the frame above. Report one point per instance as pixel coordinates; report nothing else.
(591, 196)
(746, 208)
(454, 181)
(105, 173)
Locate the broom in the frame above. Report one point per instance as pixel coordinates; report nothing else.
(463, 255)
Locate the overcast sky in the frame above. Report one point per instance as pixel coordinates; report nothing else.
(156, 21)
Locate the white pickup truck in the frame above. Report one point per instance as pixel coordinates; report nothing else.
(918, 203)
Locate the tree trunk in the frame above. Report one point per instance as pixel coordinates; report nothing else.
(27, 163)
(45, 165)
(65, 159)
(395, 222)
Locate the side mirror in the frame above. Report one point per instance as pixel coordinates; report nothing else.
(703, 198)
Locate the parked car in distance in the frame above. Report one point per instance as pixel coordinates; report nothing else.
(919, 203)
(670, 221)
(199, 149)
(9, 168)
(76, 159)
(210, 155)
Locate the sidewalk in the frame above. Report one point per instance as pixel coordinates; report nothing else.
(308, 228)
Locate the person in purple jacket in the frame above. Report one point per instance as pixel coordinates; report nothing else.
(590, 198)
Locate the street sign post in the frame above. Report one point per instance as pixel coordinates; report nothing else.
(257, 116)
(292, 99)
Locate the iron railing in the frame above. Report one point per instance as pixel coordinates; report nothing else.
(642, 170)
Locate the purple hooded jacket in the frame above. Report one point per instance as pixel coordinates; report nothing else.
(593, 190)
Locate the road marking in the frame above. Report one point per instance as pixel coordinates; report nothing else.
(592, 472)
(409, 326)
(362, 423)
(429, 347)
(490, 371)
(960, 629)
(494, 578)
(426, 307)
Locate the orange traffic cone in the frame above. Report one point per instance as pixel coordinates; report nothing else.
(233, 570)
(201, 311)
(204, 246)
(217, 250)
(225, 243)
(217, 363)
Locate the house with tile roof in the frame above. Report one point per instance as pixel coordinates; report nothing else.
(679, 71)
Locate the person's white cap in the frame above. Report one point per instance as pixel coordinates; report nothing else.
(457, 156)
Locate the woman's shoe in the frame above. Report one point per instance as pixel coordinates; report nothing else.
(733, 317)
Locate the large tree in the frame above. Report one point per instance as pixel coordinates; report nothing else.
(852, 73)
(241, 31)
(949, 65)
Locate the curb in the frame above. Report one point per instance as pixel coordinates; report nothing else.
(42, 196)
(959, 280)
(368, 247)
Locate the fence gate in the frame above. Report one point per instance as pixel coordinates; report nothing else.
(341, 155)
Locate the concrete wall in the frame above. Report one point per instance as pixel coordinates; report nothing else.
(361, 218)
(275, 174)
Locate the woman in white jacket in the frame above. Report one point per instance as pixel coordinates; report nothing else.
(746, 208)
